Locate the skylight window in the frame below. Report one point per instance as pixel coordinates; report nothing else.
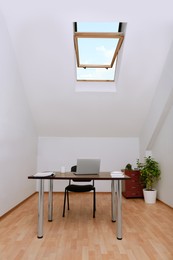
(96, 47)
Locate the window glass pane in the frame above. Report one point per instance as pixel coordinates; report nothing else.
(96, 73)
(97, 27)
(96, 50)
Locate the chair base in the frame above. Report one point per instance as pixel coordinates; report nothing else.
(71, 188)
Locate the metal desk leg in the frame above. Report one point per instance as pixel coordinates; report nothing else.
(40, 208)
(50, 201)
(113, 201)
(119, 210)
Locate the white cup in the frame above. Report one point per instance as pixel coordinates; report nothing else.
(62, 169)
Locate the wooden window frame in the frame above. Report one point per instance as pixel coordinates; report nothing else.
(117, 35)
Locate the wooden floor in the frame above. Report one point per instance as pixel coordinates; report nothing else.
(147, 231)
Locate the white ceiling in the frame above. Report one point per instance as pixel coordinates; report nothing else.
(42, 36)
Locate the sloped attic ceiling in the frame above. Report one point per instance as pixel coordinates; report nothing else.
(42, 36)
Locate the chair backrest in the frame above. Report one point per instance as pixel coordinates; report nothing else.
(74, 169)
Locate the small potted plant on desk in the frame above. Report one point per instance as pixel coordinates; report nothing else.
(128, 167)
(149, 175)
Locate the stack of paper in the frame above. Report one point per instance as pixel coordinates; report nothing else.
(117, 174)
(44, 174)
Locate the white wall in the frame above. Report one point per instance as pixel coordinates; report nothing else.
(163, 151)
(18, 140)
(114, 153)
(162, 102)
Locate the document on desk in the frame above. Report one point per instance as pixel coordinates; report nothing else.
(117, 174)
(44, 174)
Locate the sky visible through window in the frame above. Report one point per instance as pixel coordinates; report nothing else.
(97, 51)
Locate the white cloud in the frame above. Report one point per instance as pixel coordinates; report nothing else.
(107, 53)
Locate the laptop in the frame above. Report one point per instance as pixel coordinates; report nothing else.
(88, 166)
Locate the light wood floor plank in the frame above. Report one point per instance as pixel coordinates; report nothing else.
(147, 231)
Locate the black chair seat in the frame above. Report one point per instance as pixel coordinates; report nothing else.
(79, 188)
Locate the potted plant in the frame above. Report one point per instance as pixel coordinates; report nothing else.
(149, 175)
(128, 167)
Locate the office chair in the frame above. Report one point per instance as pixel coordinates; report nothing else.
(79, 188)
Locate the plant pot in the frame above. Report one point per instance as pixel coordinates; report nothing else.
(150, 196)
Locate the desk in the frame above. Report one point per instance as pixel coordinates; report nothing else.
(116, 198)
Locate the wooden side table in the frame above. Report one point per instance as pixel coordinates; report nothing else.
(132, 188)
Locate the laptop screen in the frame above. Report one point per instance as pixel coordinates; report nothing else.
(88, 166)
